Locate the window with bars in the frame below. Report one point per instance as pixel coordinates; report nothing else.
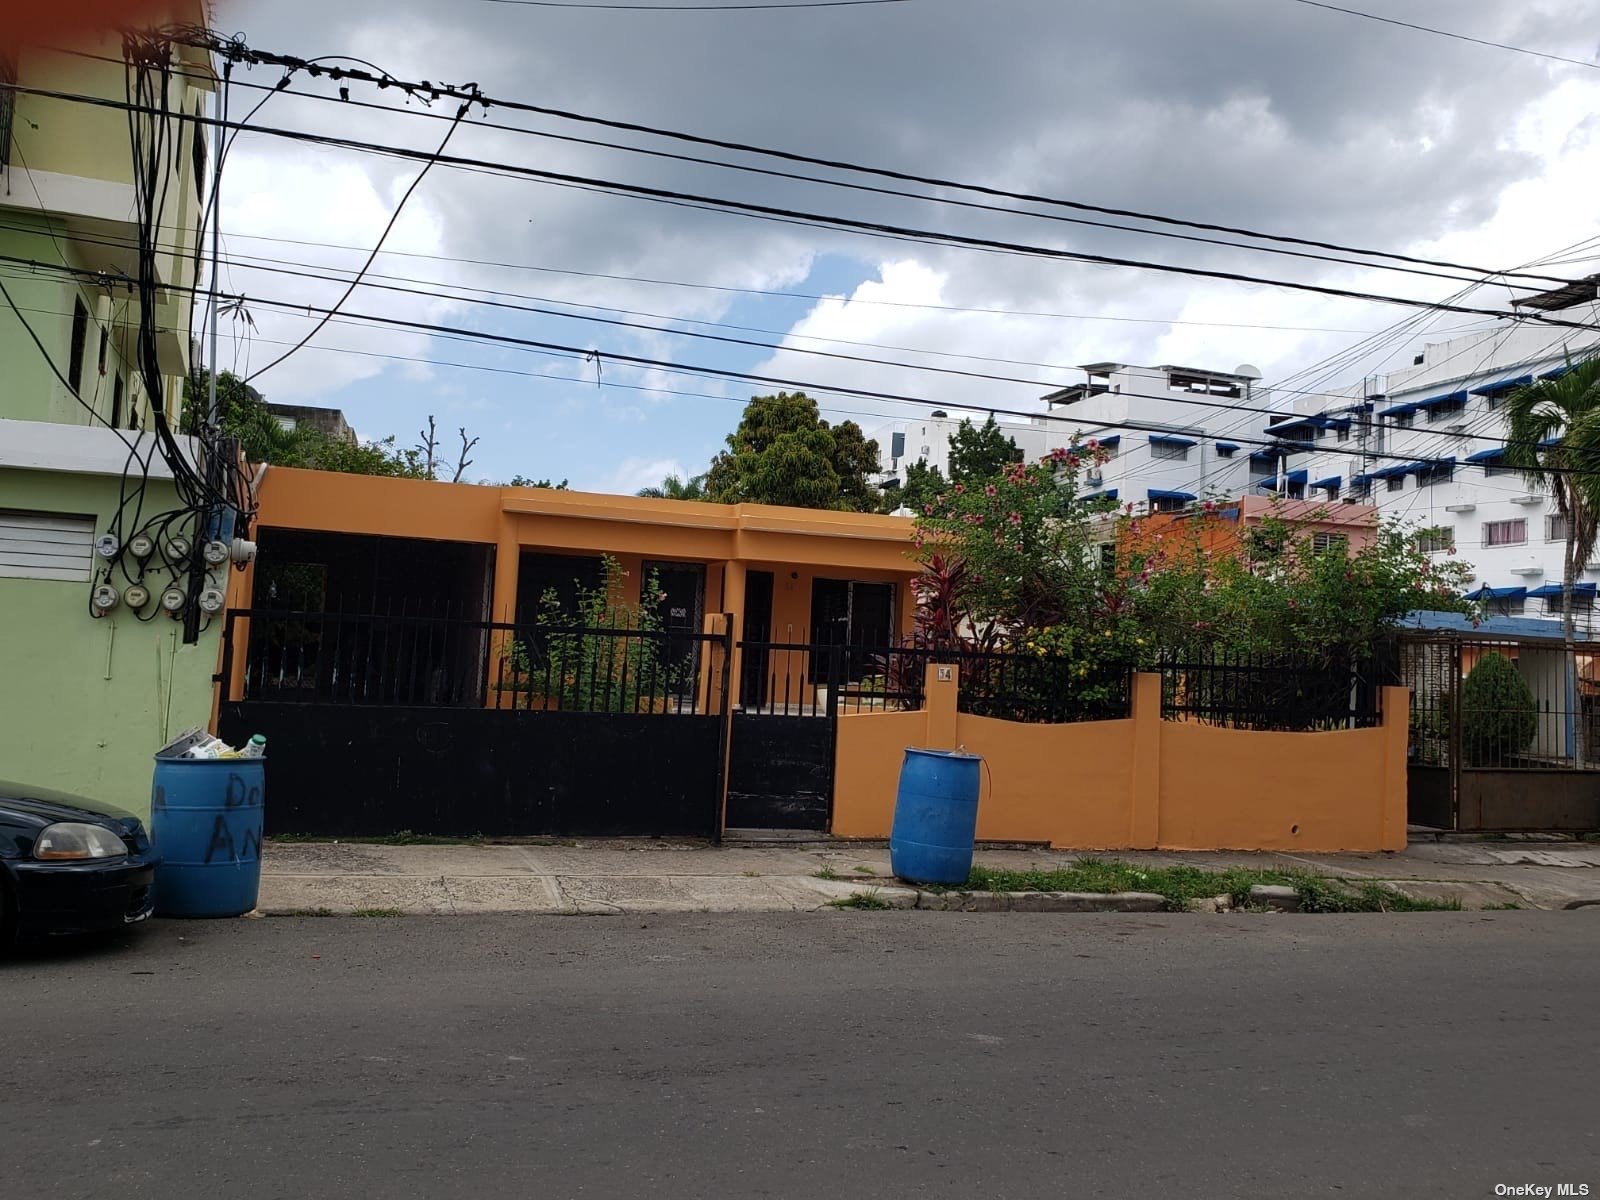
(1395, 483)
(1169, 450)
(1505, 533)
(1555, 528)
(80, 341)
(1403, 420)
(1322, 542)
(1583, 602)
(1505, 606)
(1436, 540)
(116, 402)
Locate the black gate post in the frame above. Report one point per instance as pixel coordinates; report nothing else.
(225, 675)
(725, 745)
(1455, 733)
(836, 682)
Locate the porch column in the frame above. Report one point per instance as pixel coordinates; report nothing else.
(733, 602)
(503, 609)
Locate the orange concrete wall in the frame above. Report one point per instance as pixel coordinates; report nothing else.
(1142, 783)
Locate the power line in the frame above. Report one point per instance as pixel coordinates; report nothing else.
(1460, 37)
(355, 281)
(344, 100)
(641, 361)
(242, 52)
(870, 228)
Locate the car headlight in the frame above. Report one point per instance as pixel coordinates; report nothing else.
(77, 840)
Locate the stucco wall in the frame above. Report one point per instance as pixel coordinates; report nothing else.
(87, 701)
(1142, 783)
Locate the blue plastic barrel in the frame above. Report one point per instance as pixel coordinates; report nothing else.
(205, 822)
(935, 816)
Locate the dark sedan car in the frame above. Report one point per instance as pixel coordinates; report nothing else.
(69, 865)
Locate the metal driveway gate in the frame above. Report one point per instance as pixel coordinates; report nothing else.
(782, 734)
(379, 725)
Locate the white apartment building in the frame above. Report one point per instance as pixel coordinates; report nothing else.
(927, 440)
(1430, 452)
(1163, 450)
(1161, 425)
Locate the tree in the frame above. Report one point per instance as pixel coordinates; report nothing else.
(525, 481)
(1553, 438)
(242, 414)
(675, 488)
(783, 452)
(1499, 716)
(980, 452)
(921, 486)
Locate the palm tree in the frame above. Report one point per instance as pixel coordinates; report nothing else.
(1553, 438)
(674, 488)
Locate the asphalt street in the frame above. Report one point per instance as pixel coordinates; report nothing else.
(771, 1055)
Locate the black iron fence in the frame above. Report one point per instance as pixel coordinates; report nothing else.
(1285, 694)
(1490, 704)
(438, 662)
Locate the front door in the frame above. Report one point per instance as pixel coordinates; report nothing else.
(682, 591)
(846, 612)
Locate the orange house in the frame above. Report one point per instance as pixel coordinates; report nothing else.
(1219, 527)
(362, 544)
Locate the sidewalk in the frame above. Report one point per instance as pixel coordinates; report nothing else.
(658, 877)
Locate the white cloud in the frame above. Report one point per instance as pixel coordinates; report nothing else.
(631, 474)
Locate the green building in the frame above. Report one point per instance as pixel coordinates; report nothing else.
(96, 672)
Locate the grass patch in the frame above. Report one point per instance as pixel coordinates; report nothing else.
(864, 900)
(1592, 837)
(826, 873)
(1508, 906)
(1180, 884)
(377, 912)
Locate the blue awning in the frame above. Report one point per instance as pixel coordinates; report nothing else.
(1442, 400)
(1227, 448)
(1502, 385)
(1111, 439)
(1500, 593)
(1163, 494)
(1550, 443)
(1398, 410)
(1332, 482)
(1268, 455)
(1360, 480)
(1278, 427)
(1108, 494)
(1391, 472)
(1290, 479)
(1434, 464)
(1493, 454)
(1167, 439)
(1554, 589)
(1554, 373)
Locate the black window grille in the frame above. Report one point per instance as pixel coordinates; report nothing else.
(80, 339)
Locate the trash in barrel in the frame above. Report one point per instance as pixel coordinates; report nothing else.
(935, 816)
(205, 822)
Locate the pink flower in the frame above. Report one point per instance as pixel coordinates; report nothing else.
(959, 488)
(1015, 518)
(927, 510)
(989, 489)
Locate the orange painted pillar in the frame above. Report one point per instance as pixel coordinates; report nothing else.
(733, 604)
(503, 608)
(1396, 737)
(1144, 821)
(941, 685)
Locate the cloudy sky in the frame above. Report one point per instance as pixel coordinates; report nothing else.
(1267, 114)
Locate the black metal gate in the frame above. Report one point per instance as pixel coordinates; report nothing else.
(1520, 754)
(379, 725)
(783, 733)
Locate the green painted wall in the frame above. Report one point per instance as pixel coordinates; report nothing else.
(85, 702)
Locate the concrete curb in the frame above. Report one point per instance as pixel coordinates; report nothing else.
(1076, 902)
